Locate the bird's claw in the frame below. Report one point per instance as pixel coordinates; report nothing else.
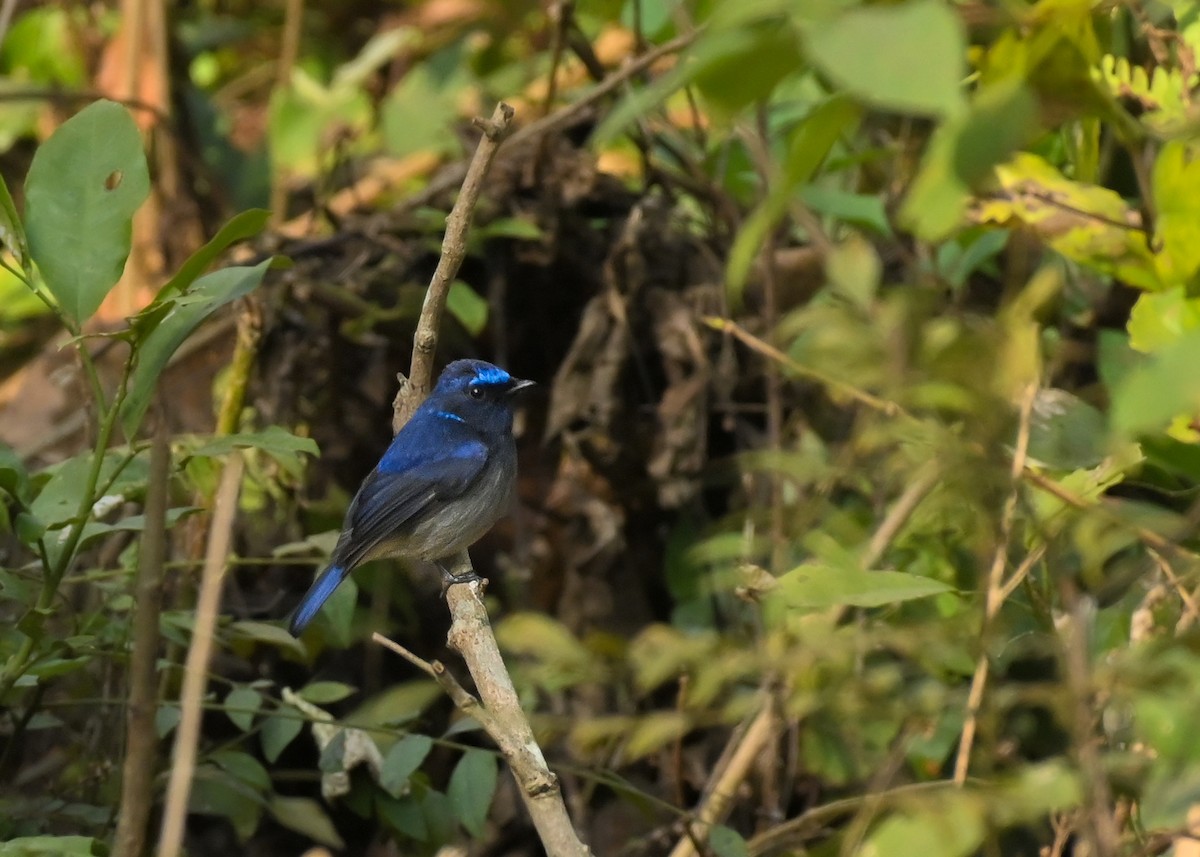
(449, 578)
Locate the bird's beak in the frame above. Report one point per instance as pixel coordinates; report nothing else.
(519, 384)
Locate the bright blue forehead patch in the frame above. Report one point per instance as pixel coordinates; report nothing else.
(492, 375)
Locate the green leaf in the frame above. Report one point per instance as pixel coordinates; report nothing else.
(468, 307)
(323, 692)
(275, 440)
(1177, 222)
(242, 226)
(216, 792)
(416, 115)
(241, 705)
(14, 480)
(53, 846)
(727, 842)
(265, 632)
(401, 761)
(1066, 433)
(1164, 386)
(243, 767)
(808, 146)
(471, 788)
(827, 586)
(279, 730)
(187, 311)
(84, 185)
(307, 817)
(404, 815)
(12, 231)
(1160, 318)
(166, 718)
(954, 827)
(906, 57)
(962, 154)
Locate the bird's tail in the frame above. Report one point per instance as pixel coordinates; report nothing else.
(316, 596)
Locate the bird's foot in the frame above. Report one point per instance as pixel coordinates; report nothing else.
(449, 578)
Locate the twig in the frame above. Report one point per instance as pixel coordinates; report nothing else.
(718, 796)
(454, 250)
(289, 50)
(767, 350)
(561, 118)
(1099, 828)
(1148, 537)
(141, 742)
(926, 480)
(195, 679)
(994, 597)
(792, 833)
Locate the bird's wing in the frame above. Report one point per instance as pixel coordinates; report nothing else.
(390, 499)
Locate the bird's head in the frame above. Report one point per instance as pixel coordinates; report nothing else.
(479, 392)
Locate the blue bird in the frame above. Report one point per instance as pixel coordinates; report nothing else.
(446, 478)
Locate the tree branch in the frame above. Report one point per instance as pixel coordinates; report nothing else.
(499, 709)
(454, 250)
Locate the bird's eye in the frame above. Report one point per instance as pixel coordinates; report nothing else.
(476, 392)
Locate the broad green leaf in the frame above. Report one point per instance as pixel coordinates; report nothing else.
(468, 307)
(401, 761)
(740, 66)
(827, 586)
(279, 730)
(307, 817)
(1088, 224)
(1160, 318)
(1164, 386)
(472, 786)
(907, 57)
(324, 692)
(241, 705)
(400, 704)
(654, 731)
(416, 115)
(961, 155)
(302, 115)
(1177, 223)
(537, 634)
(1065, 432)
(187, 311)
(951, 827)
(1170, 796)
(84, 185)
(244, 768)
(404, 815)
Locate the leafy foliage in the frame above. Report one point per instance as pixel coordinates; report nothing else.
(870, 332)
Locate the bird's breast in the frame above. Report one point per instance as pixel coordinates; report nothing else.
(459, 523)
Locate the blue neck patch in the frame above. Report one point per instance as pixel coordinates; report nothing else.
(492, 375)
(446, 415)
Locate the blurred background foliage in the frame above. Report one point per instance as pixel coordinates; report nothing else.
(858, 505)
